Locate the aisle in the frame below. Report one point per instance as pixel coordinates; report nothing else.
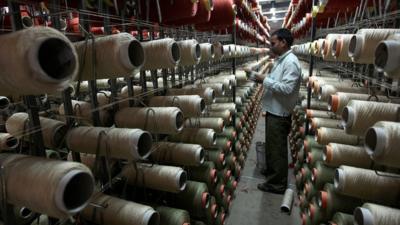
(253, 207)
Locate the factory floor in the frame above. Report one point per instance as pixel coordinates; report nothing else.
(252, 206)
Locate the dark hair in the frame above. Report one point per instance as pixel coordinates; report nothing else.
(284, 34)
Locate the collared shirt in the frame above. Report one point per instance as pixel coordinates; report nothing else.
(282, 85)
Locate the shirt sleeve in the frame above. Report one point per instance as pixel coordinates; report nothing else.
(288, 83)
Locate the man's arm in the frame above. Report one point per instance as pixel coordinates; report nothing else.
(291, 76)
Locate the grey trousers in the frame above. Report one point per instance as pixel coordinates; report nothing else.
(276, 155)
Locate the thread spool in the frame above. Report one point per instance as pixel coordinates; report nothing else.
(309, 190)
(223, 106)
(226, 115)
(218, 157)
(370, 214)
(231, 161)
(4, 103)
(22, 215)
(217, 124)
(328, 89)
(177, 154)
(318, 105)
(120, 143)
(287, 201)
(164, 178)
(305, 173)
(342, 219)
(51, 154)
(321, 175)
(309, 143)
(207, 52)
(386, 56)
(340, 48)
(161, 54)
(317, 215)
(331, 201)
(327, 47)
(349, 155)
(40, 51)
(172, 216)
(190, 105)
(202, 15)
(238, 100)
(213, 211)
(83, 111)
(222, 16)
(225, 82)
(218, 88)
(358, 116)
(324, 122)
(161, 120)
(331, 135)
(311, 113)
(218, 50)
(8, 142)
(190, 52)
(338, 101)
(224, 144)
(366, 184)
(72, 184)
(208, 94)
(128, 212)
(381, 143)
(205, 173)
(116, 55)
(303, 202)
(202, 136)
(363, 44)
(229, 132)
(53, 131)
(195, 199)
(315, 155)
(231, 78)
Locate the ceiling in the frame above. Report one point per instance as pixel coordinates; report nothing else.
(281, 7)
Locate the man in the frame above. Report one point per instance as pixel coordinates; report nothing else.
(281, 92)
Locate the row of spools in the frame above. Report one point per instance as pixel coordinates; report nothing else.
(179, 155)
(50, 61)
(367, 46)
(347, 166)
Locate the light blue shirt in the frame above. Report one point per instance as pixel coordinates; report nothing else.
(282, 85)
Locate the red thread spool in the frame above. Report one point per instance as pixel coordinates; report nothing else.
(170, 10)
(222, 16)
(203, 14)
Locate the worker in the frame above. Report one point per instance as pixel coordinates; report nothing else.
(282, 87)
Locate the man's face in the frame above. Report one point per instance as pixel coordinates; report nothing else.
(277, 46)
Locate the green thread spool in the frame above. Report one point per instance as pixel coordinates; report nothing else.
(342, 219)
(229, 132)
(218, 157)
(194, 198)
(205, 173)
(231, 185)
(224, 175)
(212, 213)
(314, 156)
(332, 201)
(321, 175)
(172, 216)
(223, 143)
(309, 190)
(317, 215)
(310, 142)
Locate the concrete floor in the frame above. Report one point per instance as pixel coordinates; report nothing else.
(254, 207)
